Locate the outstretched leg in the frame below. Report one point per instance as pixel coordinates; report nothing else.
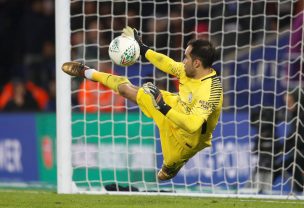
(117, 83)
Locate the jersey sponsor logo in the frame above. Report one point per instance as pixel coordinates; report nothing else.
(206, 105)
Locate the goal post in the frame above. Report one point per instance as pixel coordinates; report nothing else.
(106, 145)
(63, 101)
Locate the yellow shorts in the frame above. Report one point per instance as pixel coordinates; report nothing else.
(175, 152)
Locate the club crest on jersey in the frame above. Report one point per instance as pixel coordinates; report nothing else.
(190, 97)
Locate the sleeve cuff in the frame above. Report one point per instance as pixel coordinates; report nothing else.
(143, 49)
(165, 109)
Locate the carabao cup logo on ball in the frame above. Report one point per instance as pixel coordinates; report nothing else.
(124, 51)
(129, 56)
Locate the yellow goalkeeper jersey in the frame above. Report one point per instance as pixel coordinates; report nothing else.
(196, 109)
(194, 113)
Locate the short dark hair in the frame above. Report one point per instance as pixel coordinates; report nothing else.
(203, 50)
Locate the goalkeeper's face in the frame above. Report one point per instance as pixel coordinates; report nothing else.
(190, 68)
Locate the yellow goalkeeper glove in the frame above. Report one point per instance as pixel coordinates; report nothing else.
(128, 31)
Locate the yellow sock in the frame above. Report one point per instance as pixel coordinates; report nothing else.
(109, 80)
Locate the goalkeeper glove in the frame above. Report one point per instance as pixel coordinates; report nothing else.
(133, 33)
(157, 98)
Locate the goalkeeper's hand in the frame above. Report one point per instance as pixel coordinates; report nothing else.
(157, 97)
(133, 33)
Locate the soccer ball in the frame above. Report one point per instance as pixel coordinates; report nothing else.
(124, 51)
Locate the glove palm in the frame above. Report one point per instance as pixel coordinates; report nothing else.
(157, 97)
(128, 31)
(133, 33)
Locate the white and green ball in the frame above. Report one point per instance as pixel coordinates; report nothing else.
(124, 51)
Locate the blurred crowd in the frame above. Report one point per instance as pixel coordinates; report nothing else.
(27, 38)
(27, 69)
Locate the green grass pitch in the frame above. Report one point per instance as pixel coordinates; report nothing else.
(48, 199)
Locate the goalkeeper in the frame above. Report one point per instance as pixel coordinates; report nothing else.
(185, 120)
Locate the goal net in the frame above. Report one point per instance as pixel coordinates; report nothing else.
(106, 145)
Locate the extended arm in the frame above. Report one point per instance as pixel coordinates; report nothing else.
(188, 122)
(159, 60)
(164, 63)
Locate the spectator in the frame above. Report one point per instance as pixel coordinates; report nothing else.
(18, 95)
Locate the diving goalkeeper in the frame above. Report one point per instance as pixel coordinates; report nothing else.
(185, 120)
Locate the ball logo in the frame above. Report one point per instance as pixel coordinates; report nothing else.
(128, 56)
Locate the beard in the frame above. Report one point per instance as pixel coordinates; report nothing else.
(190, 73)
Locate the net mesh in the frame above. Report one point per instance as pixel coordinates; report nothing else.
(258, 143)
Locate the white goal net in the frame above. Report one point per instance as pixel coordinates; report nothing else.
(258, 145)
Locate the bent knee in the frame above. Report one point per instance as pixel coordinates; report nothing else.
(123, 89)
(128, 91)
